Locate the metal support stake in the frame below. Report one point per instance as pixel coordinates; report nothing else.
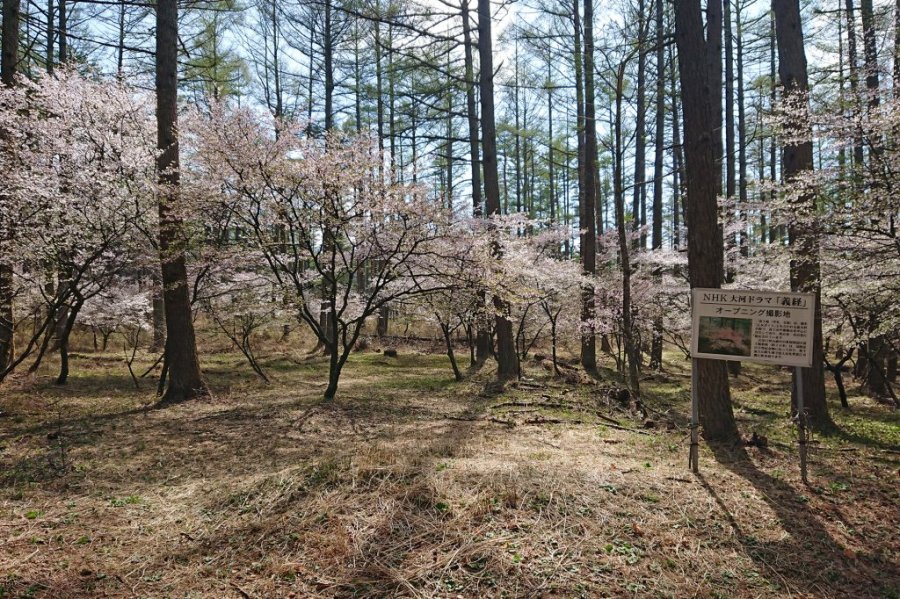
(694, 455)
(801, 423)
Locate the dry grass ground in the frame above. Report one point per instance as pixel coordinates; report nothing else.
(411, 485)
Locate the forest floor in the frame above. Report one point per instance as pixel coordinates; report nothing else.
(412, 485)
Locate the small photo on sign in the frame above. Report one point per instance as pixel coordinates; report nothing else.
(725, 336)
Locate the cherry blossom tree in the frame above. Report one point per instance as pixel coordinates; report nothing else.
(80, 187)
(320, 218)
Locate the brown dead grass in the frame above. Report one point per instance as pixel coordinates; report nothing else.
(412, 486)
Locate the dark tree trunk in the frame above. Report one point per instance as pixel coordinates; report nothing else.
(63, 32)
(837, 370)
(701, 97)
(632, 351)
(448, 340)
(854, 77)
(656, 347)
(896, 89)
(328, 57)
(8, 65)
(185, 379)
(64, 342)
(797, 159)
(120, 48)
(870, 51)
(51, 36)
(483, 335)
(507, 362)
(588, 208)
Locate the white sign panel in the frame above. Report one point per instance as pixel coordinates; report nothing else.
(754, 326)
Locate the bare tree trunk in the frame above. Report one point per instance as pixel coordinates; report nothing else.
(870, 51)
(64, 342)
(797, 159)
(328, 56)
(743, 240)
(700, 88)
(63, 32)
(730, 179)
(185, 380)
(448, 340)
(507, 359)
(656, 346)
(120, 48)
(551, 177)
(854, 78)
(639, 211)
(678, 175)
(51, 36)
(8, 66)
(483, 335)
(896, 88)
(588, 208)
(632, 350)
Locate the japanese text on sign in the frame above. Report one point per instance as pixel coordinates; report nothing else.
(755, 326)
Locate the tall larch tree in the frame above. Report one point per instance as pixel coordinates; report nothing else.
(797, 161)
(507, 360)
(183, 366)
(701, 104)
(656, 238)
(8, 65)
(588, 208)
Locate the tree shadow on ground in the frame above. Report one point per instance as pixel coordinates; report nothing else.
(395, 509)
(808, 559)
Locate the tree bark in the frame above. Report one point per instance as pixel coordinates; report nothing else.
(639, 210)
(701, 95)
(870, 50)
(51, 36)
(632, 351)
(743, 239)
(64, 342)
(854, 78)
(63, 32)
(483, 335)
(507, 360)
(588, 208)
(8, 66)
(656, 347)
(896, 88)
(185, 379)
(797, 159)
